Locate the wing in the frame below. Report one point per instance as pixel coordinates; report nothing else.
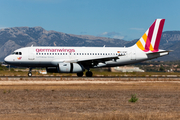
(93, 61)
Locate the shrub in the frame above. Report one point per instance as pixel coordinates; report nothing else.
(4, 92)
(133, 98)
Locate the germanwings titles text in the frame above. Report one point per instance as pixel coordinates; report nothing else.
(55, 50)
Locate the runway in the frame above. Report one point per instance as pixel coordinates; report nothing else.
(40, 80)
(125, 76)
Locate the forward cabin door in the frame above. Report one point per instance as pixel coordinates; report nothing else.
(31, 55)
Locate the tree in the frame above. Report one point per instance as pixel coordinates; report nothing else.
(161, 68)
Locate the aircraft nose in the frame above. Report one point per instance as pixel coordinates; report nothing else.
(7, 59)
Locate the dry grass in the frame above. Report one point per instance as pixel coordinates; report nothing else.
(91, 101)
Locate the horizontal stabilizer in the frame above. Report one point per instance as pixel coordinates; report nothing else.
(163, 51)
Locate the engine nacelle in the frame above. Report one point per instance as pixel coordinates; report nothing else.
(70, 68)
(52, 70)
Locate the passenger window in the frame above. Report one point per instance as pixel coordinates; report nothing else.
(20, 53)
(39, 53)
(44, 53)
(36, 53)
(16, 53)
(47, 53)
(52, 53)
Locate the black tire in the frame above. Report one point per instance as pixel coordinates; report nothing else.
(29, 74)
(80, 74)
(89, 74)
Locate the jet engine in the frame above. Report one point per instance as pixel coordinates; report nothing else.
(52, 70)
(70, 68)
(66, 68)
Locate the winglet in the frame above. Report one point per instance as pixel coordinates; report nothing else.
(151, 38)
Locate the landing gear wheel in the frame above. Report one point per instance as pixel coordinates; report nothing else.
(29, 74)
(80, 74)
(89, 74)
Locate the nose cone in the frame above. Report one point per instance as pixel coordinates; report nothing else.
(7, 59)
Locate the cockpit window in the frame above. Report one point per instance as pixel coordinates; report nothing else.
(17, 53)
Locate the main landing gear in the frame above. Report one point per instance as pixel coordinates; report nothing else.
(88, 74)
(30, 73)
(80, 74)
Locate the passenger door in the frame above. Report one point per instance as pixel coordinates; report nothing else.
(31, 54)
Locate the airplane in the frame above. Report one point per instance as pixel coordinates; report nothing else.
(79, 59)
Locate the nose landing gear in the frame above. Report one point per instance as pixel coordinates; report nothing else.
(30, 73)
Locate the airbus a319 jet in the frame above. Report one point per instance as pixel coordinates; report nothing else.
(78, 59)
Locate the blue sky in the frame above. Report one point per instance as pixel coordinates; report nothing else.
(125, 19)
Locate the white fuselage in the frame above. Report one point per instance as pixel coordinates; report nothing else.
(52, 56)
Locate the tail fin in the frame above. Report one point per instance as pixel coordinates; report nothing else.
(151, 38)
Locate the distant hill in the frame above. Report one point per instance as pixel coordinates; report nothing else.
(170, 40)
(17, 37)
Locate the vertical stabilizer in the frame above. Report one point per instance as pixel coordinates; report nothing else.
(151, 38)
